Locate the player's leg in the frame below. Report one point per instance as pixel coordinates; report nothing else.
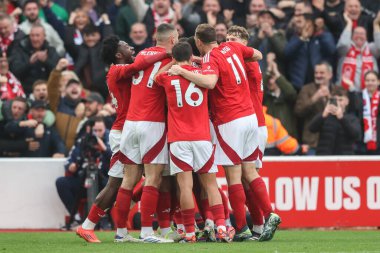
(103, 201)
(226, 207)
(254, 211)
(185, 182)
(132, 175)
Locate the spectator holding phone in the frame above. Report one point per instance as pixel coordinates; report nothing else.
(338, 130)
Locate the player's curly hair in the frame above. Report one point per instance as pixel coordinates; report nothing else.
(109, 49)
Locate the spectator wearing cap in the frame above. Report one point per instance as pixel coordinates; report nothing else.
(50, 143)
(309, 46)
(68, 109)
(139, 37)
(10, 35)
(268, 39)
(34, 58)
(356, 54)
(10, 86)
(13, 127)
(30, 11)
(90, 68)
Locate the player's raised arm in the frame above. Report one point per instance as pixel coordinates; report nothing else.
(205, 81)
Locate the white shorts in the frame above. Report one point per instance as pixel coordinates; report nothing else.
(116, 167)
(214, 139)
(144, 142)
(197, 156)
(237, 141)
(262, 140)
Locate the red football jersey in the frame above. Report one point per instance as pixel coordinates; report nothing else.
(147, 98)
(119, 87)
(188, 118)
(119, 79)
(230, 99)
(255, 81)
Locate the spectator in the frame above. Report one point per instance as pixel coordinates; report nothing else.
(211, 12)
(152, 16)
(310, 45)
(68, 109)
(30, 12)
(221, 32)
(330, 11)
(368, 111)
(279, 141)
(10, 35)
(356, 55)
(268, 39)
(89, 67)
(49, 7)
(13, 127)
(70, 186)
(337, 129)
(312, 100)
(34, 58)
(10, 86)
(11, 8)
(40, 93)
(124, 21)
(279, 96)
(73, 32)
(50, 143)
(139, 37)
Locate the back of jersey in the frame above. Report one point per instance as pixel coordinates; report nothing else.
(230, 99)
(147, 99)
(188, 118)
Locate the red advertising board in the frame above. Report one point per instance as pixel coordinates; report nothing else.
(323, 192)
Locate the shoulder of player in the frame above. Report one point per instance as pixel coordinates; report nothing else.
(149, 51)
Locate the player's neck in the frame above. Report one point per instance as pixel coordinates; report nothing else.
(183, 63)
(168, 48)
(209, 47)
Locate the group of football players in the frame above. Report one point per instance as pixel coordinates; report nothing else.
(178, 117)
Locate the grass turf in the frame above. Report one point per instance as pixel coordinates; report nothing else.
(284, 241)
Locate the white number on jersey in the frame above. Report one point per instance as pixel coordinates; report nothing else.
(262, 83)
(113, 100)
(234, 69)
(190, 90)
(137, 80)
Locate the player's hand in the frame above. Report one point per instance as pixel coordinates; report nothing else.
(62, 64)
(72, 167)
(175, 70)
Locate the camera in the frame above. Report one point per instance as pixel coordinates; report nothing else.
(333, 101)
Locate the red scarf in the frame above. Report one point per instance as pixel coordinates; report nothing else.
(5, 42)
(349, 64)
(370, 113)
(158, 20)
(11, 89)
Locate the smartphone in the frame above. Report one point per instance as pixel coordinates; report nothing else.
(333, 101)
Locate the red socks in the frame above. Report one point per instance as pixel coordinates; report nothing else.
(254, 209)
(260, 196)
(206, 212)
(188, 220)
(148, 205)
(137, 192)
(218, 213)
(237, 201)
(163, 209)
(123, 202)
(225, 204)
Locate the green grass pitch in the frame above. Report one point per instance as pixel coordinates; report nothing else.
(284, 241)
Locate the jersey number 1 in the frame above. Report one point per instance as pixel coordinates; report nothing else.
(190, 90)
(232, 60)
(155, 69)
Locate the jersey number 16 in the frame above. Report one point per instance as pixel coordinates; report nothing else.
(190, 90)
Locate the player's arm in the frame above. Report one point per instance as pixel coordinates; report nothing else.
(164, 69)
(250, 54)
(144, 62)
(201, 80)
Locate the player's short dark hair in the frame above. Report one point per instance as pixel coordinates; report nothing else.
(339, 91)
(182, 51)
(205, 33)
(38, 82)
(109, 49)
(191, 41)
(239, 32)
(28, 2)
(90, 29)
(164, 31)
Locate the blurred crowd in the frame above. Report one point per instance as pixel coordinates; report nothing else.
(320, 68)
